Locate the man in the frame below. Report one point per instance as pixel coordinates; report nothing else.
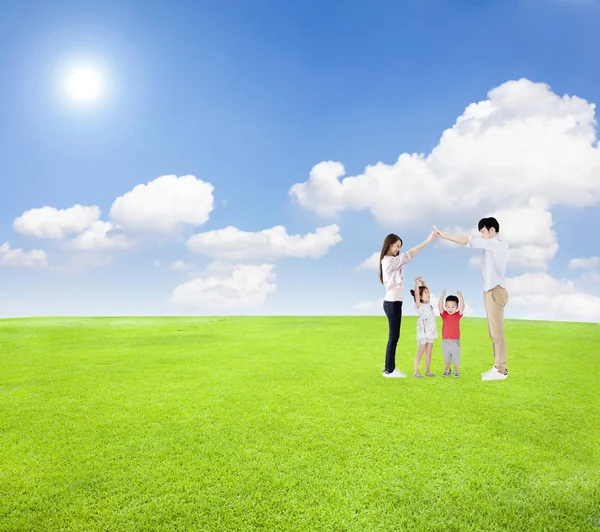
(495, 296)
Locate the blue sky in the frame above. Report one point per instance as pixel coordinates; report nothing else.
(249, 97)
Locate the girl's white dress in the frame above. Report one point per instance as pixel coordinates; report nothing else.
(426, 327)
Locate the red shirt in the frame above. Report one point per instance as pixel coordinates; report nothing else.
(451, 325)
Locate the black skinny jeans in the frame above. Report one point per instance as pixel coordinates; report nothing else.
(393, 311)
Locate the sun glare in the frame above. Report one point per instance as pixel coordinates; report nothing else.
(84, 84)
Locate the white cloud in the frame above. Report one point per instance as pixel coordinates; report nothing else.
(393, 194)
(590, 277)
(372, 263)
(271, 244)
(524, 141)
(48, 222)
(97, 237)
(540, 296)
(227, 286)
(181, 265)
(164, 205)
(531, 257)
(81, 262)
(36, 258)
(584, 264)
(376, 304)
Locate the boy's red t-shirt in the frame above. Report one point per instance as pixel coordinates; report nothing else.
(451, 325)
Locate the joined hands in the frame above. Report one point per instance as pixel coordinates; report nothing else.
(438, 232)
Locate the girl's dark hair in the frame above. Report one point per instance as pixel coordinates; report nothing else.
(389, 240)
(421, 290)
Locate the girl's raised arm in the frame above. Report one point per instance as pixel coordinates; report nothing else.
(417, 295)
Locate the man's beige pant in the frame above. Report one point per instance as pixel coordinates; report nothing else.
(495, 300)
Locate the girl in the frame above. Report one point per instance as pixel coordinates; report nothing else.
(390, 275)
(426, 329)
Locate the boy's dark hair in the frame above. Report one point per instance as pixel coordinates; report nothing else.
(452, 298)
(421, 290)
(389, 241)
(488, 223)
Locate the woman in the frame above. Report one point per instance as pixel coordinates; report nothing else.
(391, 262)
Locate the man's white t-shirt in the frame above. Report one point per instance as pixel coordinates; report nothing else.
(494, 260)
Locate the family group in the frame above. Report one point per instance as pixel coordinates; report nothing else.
(451, 308)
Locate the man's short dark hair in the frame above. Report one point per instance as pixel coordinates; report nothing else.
(488, 223)
(452, 298)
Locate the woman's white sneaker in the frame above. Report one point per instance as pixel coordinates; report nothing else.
(396, 374)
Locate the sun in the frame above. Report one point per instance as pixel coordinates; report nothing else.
(84, 84)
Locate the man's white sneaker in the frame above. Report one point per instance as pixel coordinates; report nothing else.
(490, 371)
(494, 376)
(396, 374)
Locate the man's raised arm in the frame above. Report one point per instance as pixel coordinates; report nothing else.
(459, 239)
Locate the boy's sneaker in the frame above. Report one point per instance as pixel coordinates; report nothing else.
(456, 374)
(396, 374)
(446, 373)
(494, 376)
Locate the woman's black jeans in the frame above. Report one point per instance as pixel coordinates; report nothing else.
(393, 311)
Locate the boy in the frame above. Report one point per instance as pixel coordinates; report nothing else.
(451, 316)
(495, 296)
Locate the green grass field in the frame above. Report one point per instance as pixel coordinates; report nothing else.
(287, 424)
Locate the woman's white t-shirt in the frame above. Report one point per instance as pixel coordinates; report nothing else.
(393, 277)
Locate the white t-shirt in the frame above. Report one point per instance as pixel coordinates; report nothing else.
(393, 276)
(426, 327)
(495, 257)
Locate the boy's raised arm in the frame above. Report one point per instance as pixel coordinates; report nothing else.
(461, 302)
(441, 301)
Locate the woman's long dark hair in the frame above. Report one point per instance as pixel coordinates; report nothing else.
(389, 240)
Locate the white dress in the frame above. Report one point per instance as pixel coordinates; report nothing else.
(426, 327)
